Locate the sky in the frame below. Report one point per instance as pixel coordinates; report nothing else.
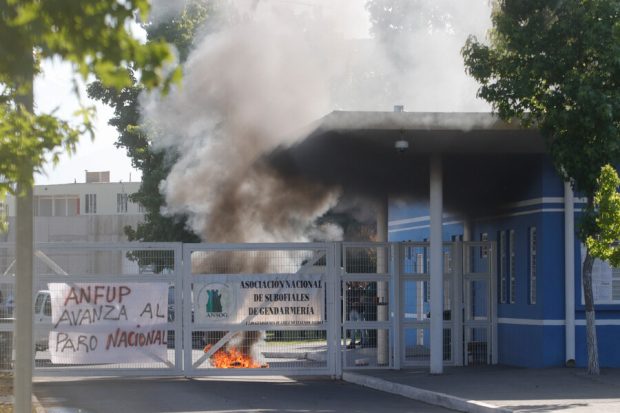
(54, 92)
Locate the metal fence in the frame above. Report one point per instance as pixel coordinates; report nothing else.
(101, 268)
(260, 307)
(251, 309)
(7, 304)
(366, 290)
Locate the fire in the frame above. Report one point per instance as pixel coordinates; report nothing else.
(233, 359)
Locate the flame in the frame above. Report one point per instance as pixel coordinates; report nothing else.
(233, 359)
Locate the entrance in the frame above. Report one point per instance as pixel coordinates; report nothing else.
(295, 308)
(469, 310)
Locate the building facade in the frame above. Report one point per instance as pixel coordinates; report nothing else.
(94, 211)
(530, 293)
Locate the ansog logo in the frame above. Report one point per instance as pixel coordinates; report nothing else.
(215, 301)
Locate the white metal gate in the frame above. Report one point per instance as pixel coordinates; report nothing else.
(469, 310)
(294, 308)
(107, 264)
(367, 305)
(285, 318)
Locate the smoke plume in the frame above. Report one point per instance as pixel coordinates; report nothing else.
(257, 86)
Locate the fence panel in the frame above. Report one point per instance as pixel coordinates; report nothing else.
(107, 309)
(367, 283)
(259, 309)
(7, 304)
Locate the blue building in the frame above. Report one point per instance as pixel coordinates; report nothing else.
(452, 179)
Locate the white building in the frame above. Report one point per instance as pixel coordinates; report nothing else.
(96, 210)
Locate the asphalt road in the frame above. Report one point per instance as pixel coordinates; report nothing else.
(175, 395)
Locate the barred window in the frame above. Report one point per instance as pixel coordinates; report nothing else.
(502, 266)
(511, 266)
(121, 203)
(90, 203)
(532, 265)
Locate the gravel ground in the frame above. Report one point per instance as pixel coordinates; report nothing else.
(6, 395)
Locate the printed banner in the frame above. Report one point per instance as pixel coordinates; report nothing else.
(108, 322)
(284, 299)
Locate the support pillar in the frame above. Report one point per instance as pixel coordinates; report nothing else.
(383, 349)
(569, 272)
(436, 264)
(468, 226)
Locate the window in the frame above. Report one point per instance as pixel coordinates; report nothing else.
(47, 307)
(502, 266)
(484, 250)
(73, 206)
(39, 303)
(45, 207)
(511, 266)
(615, 285)
(141, 208)
(56, 206)
(121, 203)
(90, 203)
(419, 268)
(532, 265)
(605, 281)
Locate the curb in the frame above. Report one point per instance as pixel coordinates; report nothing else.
(426, 396)
(36, 405)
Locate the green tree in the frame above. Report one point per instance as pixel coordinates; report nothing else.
(554, 64)
(604, 244)
(182, 31)
(94, 37)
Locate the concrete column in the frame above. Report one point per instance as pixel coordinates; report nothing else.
(468, 226)
(569, 271)
(383, 350)
(436, 264)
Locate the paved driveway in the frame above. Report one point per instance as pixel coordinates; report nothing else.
(274, 394)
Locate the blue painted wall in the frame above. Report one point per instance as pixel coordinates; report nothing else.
(525, 338)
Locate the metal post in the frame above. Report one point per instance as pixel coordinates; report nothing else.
(383, 351)
(334, 338)
(436, 267)
(493, 303)
(569, 271)
(24, 348)
(24, 242)
(457, 308)
(395, 305)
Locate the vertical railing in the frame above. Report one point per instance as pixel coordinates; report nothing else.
(366, 317)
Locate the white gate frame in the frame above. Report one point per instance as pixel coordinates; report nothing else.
(390, 276)
(331, 325)
(335, 323)
(173, 369)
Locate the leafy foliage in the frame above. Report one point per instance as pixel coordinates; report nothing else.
(390, 18)
(182, 31)
(607, 204)
(555, 64)
(92, 35)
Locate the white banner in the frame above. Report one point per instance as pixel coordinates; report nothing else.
(108, 322)
(250, 300)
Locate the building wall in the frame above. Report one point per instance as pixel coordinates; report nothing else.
(105, 225)
(106, 194)
(529, 334)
